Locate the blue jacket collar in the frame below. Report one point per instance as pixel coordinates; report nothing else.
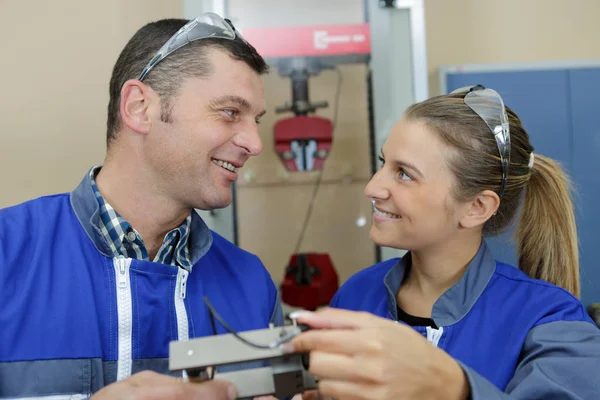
(86, 208)
(457, 301)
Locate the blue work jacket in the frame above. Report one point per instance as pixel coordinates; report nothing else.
(515, 337)
(73, 318)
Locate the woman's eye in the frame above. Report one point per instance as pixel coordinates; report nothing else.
(381, 160)
(404, 176)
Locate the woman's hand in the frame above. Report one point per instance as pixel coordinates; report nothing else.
(357, 355)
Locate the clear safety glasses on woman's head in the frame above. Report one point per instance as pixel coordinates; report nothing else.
(488, 104)
(205, 26)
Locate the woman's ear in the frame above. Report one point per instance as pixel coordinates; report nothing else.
(481, 209)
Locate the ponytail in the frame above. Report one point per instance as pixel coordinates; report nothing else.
(547, 232)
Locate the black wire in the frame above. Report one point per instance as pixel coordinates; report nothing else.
(212, 323)
(216, 315)
(337, 96)
(308, 213)
(318, 182)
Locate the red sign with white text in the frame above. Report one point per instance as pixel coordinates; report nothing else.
(310, 41)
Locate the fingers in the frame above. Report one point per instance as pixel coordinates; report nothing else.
(333, 366)
(333, 318)
(348, 390)
(149, 385)
(350, 342)
(152, 378)
(312, 395)
(357, 369)
(210, 390)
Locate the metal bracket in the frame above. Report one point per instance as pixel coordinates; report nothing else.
(279, 374)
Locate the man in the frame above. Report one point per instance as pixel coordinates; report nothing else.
(94, 284)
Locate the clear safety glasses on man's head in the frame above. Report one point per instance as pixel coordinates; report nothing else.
(488, 104)
(205, 26)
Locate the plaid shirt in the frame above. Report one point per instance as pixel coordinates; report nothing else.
(124, 240)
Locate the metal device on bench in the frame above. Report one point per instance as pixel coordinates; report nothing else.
(286, 375)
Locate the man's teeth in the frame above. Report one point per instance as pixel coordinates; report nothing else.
(224, 164)
(385, 214)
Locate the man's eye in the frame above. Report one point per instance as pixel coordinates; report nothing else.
(230, 113)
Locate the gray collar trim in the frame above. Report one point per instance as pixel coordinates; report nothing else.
(457, 301)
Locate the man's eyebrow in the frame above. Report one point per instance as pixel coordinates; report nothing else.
(260, 114)
(237, 100)
(406, 165)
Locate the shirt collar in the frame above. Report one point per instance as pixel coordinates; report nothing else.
(87, 208)
(458, 300)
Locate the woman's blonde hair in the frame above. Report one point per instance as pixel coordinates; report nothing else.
(546, 235)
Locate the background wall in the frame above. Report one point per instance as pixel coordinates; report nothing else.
(57, 60)
(57, 57)
(509, 31)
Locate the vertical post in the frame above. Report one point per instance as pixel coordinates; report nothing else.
(398, 68)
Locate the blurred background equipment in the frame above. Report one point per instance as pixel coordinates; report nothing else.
(326, 147)
(303, 141)
(310, 281)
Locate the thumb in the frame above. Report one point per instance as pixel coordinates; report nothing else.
(212, 390)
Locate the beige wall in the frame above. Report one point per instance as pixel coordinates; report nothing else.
(58, 57)
(509, 31)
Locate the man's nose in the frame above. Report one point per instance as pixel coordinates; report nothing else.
(248, 138)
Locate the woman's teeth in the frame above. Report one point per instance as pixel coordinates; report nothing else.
(224, 164)
(385, 214)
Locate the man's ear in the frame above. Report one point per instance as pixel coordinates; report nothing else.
(135, 107)
(480, 209)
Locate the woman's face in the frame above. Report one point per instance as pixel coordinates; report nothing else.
(414, 208)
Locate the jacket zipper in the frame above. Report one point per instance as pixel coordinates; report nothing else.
(434, 335)
(180, 293)
(124, 317)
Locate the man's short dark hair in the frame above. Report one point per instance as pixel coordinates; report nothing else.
(165, 78)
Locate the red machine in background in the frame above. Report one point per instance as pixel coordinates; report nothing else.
(303, 141)
(310, 281)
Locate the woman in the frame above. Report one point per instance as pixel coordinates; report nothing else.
(455, 168)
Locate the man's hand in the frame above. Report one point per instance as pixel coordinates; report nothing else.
(153, 386)
(357, 355)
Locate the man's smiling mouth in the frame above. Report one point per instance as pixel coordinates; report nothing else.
(224, 164)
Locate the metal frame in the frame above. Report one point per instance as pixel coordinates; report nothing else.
(273, 372)
(398, 69)
(416, 9)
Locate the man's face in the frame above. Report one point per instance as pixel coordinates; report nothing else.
(213, 131)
